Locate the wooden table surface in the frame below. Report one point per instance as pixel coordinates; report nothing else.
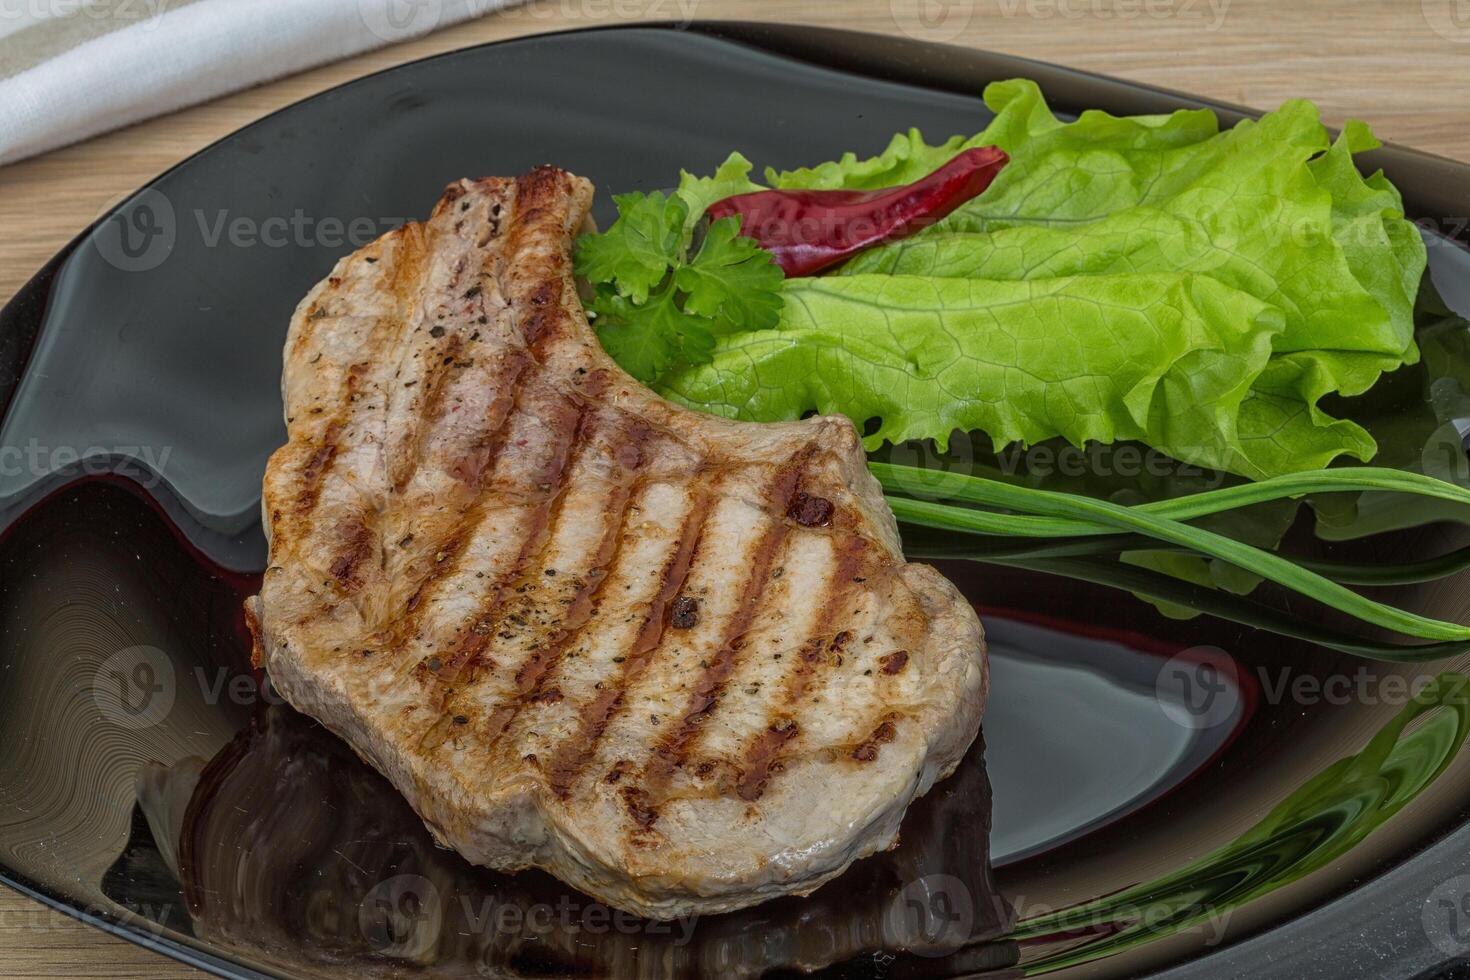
(1403, 65)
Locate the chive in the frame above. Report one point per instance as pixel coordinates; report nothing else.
(1392, 573)
(909, 480)
(1224, 605)
(987, 548)
(1044, 513)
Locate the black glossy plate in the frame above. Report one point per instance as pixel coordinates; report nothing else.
(1151, 792)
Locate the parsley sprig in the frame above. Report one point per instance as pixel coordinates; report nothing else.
(655, 306)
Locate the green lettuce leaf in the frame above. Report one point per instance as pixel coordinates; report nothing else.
(698, 193)
(1147, 278)
(1160, 358)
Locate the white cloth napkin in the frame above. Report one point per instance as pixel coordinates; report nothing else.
(70, 69)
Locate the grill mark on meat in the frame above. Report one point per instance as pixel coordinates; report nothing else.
(467, 658)
(765, 752)
(536, 191)
(451, 194)
(360, 543)
(468, 661)
(317, 465)
(867, 750)
(409, 264)
(408, 282)
(541, 314)
(320, 463)
(485, 451)
(760, 757)
(436, 381)
(545, 315)
(640, 805)
(675, 574)
(452, 548)
(581, 749)
(531, 679)
(670, 753)
(257, 646)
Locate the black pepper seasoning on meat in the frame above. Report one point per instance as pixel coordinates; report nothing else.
(808, 510)
(684, 613)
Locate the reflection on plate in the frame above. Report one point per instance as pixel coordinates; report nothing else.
(295, 852)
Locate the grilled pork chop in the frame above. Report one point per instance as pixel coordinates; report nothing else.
(675, 660)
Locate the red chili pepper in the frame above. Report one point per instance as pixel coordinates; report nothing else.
(809, 231)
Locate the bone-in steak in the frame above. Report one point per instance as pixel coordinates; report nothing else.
(675, 660)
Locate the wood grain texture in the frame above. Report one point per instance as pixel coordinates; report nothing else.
(1403, 65)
